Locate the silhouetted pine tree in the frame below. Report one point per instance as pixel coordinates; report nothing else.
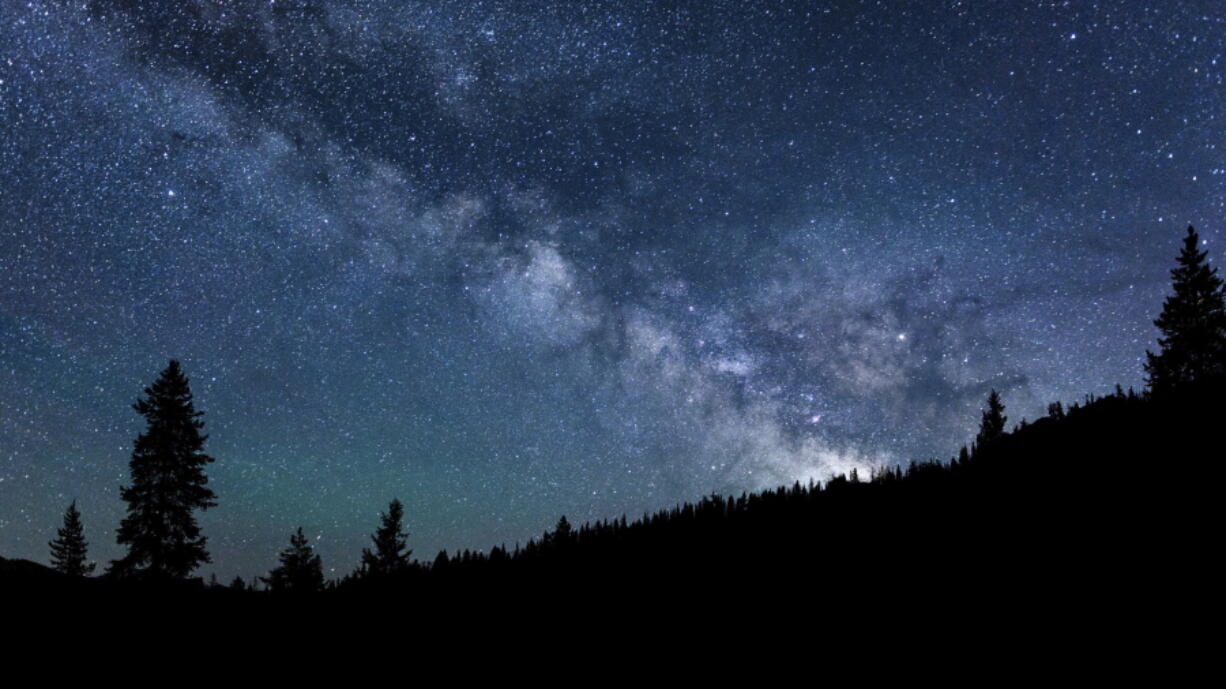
(1193, 324)
(68, 550)
(168, 484)
(300, 571)
(441, 561)
(563, 534)
(992, 425)
(390, 540)
(1055, 410)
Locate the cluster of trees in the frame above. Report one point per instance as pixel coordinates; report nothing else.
(168, 486)
(301, 571)
(168, 482)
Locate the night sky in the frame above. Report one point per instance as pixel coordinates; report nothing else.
(511, 260)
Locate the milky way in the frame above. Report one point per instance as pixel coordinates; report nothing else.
(509, 260)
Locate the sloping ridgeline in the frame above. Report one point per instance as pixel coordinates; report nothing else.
(1102, 504)
(1101, 513)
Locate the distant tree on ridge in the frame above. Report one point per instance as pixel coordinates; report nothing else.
(390, 555)
(69, 549)
(300, 569)
(992, 424)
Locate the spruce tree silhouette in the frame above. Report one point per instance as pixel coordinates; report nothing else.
(441, 561)
(964, 456)
(387, 558)
(1193, 324)
(168, 484)
(992, 425)
(563, 534)
(300, 571)
(68, 550)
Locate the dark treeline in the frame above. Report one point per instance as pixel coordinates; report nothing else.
(1097, 501)
(1082, 491)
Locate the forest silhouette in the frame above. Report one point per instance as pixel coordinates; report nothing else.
(1088, 502)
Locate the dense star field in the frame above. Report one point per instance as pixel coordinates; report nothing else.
(509, 260)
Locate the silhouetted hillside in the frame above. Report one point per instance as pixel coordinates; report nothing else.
(24, 570)
(1089, 502)
(1102, 504)
(18, 576)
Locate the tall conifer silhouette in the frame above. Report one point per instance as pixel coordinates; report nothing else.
(68, 550)
(168, 484)
(562, 534)
(992, 424)
(389, 556)
(1193, 324)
